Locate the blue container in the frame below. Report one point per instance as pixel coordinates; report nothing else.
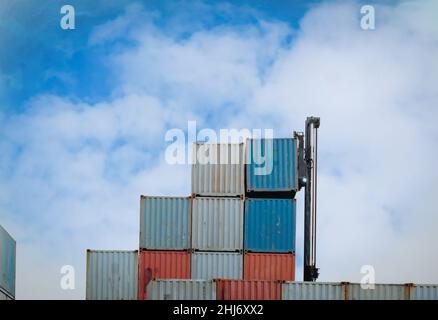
(7, 262)
(270, 225)
(164, 223)
(279, 158)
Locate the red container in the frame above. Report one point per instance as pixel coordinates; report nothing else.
(161, 265)
(269, 266)
(248, 290)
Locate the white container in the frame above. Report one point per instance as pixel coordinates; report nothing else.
(217, 265)
(218, 169)
(181, 290)
(217, 224)
(380, 292)
(112, 275)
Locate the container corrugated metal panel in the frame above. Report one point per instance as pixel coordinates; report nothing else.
(4, 296)
(223, 177)
(181, 290)
(270, 225)
(248, 290)
(112, 275)
(217, 224)
(7, 262)
(283, 176)
(217, 265)
(162, 265)
(164, 223)
(313, 291)
(269, 266)
(380, 292)
(425, 292)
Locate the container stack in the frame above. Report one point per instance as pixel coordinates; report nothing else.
(7, 265)
(236, 232)
(270, 209)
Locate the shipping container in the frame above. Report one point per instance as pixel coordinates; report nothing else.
(425, 292)
(217, 265)
(313, 291)
(269, 225)
(5, 296)
(164, 223)
(181, 290)
(7, 262)
(217, 224)
(269, 266)
(218, 169)
(112, 275)
(161, 265)
(380, 292)
(248, 290)
(271, 165)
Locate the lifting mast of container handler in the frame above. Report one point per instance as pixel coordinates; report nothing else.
(307, 177)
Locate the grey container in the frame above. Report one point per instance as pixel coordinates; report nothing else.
(380, 292)
(294, 290)
(217, 265)
(7, 262)
(112, 275)
(425, 292)
(181, 290)
(223, 177)
(217, 224)
(164, 223)
(5, 296)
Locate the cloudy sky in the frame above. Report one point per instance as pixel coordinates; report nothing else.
(84, 112)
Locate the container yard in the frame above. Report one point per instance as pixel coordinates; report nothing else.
(7, 265)
(234, 237)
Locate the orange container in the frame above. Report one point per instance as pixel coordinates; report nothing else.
(269, 266)
(248, 290)
(161, 265)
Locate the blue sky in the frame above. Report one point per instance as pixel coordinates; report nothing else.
(83, 115)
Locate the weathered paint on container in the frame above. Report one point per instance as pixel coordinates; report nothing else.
(181, 290)
(164, 223)
(269, 225)
(7, 262)
(161, 265)
(217, 224)
(425, 292)
(269, 266)
(217, 265)
(380, 292)
(248, 290)
(218, 169)
(111, 275)
(313, 291)
(277, 154)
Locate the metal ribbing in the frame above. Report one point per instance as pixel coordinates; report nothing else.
(219, 179)
(269, 225)
(182, 290)
(380, 292)
(164, 223)
(283, 176)
(264, 266)
(217, 265)
(112, 275)
(425, 292)
(312, 291)
(248, 290)
(217, 224)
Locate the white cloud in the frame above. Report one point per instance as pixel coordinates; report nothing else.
(76, 178)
